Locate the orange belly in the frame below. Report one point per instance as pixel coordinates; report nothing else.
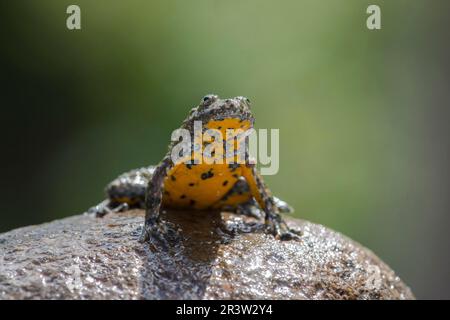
(204, 185)
(200, 187)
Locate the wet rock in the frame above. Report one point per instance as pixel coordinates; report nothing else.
(83, 257)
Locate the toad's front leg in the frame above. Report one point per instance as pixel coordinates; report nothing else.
(262, 195)
(153, 197)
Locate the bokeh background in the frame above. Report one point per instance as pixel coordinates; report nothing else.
(363, 115)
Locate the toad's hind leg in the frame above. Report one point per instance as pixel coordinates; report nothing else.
(124, 192)
(262, 195)
(282, 206)
(107, 206)
(252, 209)
(240, 199)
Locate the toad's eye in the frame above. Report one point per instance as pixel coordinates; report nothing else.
(208, 99)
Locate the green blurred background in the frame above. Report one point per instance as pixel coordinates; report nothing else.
(363, 115)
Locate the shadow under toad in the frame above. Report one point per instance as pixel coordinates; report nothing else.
(183, 269)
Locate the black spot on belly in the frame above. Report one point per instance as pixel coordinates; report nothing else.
(173, 178)
(183, 196)
(189, 166)
(207, 175)
(225, 183)
(191, 184)
(192, 202)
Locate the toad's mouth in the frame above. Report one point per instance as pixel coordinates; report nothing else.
(221, 114)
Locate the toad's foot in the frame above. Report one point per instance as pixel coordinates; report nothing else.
(163, 232)
(106, 206)
(250, 209)
(276, 226)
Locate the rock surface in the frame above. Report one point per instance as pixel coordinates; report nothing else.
(83, 257)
